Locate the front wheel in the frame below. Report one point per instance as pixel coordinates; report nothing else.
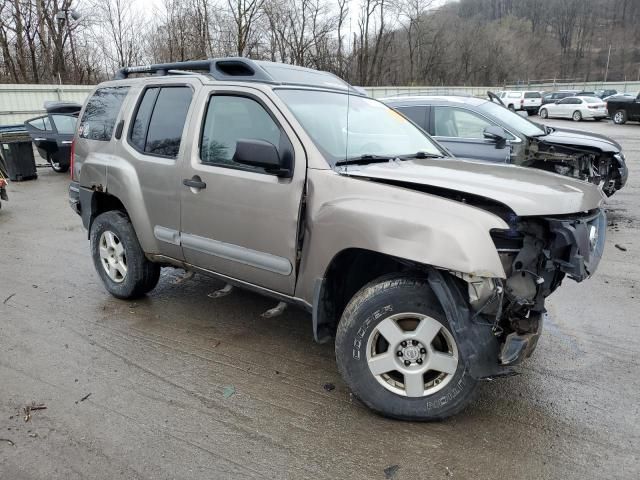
(577, 116)
(544, 113)
(620, 117)
(396, 351)
(118, 258)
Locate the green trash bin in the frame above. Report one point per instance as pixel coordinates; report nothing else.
(17, 155)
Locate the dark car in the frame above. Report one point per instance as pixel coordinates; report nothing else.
(480, 129)
(606, 93)
(3, 182)
(552, 97)
(52, 134)
(623, 108)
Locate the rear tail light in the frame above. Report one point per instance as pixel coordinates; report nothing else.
(522, 101)
(73, 160)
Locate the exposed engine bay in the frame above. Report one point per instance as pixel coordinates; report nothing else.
(594, 167)
(536, 253)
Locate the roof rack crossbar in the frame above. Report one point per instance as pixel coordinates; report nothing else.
(219, 68)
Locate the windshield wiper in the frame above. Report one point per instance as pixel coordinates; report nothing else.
(364, 159)
(421, 155)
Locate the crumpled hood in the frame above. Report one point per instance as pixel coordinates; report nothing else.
(576, 138)
(526, 191)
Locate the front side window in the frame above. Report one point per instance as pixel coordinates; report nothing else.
(65, 124)
(232, 118)
(160, 119)
(456, 122)
(346, 127)
(100, 114)
(566, 101)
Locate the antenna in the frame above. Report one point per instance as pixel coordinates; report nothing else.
(346, 143)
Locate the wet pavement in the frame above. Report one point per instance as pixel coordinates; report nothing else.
(180, 385)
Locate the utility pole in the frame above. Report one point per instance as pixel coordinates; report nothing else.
(606, 72)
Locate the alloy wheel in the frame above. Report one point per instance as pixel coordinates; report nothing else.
(112, 256)
(412, 354)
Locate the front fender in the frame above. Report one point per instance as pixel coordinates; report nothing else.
(345, 212)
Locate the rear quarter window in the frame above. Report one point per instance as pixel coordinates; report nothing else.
(100, 114)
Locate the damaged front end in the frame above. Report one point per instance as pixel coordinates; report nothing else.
(536, 253)
(607, 170)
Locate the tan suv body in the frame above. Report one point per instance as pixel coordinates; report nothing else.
(431, 271)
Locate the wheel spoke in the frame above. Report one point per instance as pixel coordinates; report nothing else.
(442, 362)
(112, 271)
(427, 330)
(382, 363)
(108, 236)
(104, 253)
(414, 384)
(391, 332)
(118, 249)
(122, 268)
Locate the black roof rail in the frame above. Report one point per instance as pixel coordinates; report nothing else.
(230, 68)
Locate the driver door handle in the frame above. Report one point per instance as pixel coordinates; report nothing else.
(194, 182)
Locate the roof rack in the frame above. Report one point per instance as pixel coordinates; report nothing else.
(219, 68)
(246, 70)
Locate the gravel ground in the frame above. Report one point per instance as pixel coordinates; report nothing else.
(179, 385)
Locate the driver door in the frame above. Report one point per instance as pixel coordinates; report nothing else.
(240, 221)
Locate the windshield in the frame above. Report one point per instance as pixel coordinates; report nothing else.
(511, 119)
(374, 129)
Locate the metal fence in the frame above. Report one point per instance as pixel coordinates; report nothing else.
(20, 102)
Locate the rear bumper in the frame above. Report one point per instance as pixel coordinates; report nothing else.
(74, 197)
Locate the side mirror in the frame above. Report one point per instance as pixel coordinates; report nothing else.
(497, 134)
(262, 154)
(556, 102)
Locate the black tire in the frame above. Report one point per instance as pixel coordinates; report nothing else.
(373, 304)
(512, 108)
(576, 116)
(544, 113)
(620, 117)
(141, 275)
(57, 167)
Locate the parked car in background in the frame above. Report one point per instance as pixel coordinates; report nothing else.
(576, 108)
(552, 97)
(476, 128)
(623, 109)
(432, 273)
(528, 101)
(606, 93)
(52, 134)
(621, 94)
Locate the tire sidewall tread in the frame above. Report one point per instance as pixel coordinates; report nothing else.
(371, 305)
(142, 275)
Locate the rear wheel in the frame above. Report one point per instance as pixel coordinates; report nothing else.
(544, 113)
(57, 166)
(396, 351)
(512, 108)
(620, 117)
(577, 116)
(119, 259)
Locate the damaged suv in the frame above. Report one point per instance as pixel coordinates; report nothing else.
(431, 272)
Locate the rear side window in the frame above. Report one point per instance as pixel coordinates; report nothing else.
(101, 112)
(41, 123)
(417, 114)
(65, 124)
(159, 121)
(532, 95)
